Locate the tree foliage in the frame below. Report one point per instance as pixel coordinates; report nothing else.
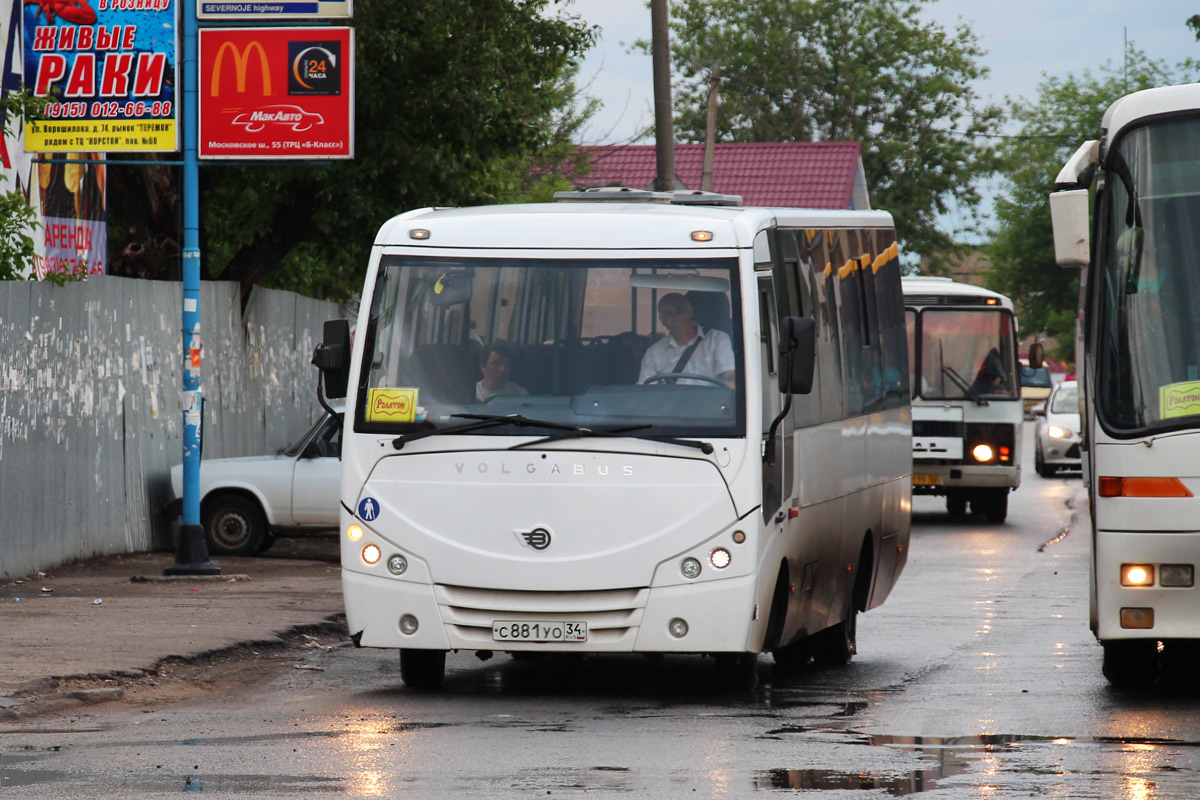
(869, 71)
(1066, 113)
(455, 100)
(18, 221)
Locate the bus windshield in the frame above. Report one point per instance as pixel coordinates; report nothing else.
(1148, 355)
(965, 353)
(572, 342)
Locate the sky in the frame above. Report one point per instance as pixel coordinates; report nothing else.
(1023, 39)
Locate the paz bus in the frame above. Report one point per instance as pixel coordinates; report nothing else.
(1138, 366)
(603, 501)
(966, 395)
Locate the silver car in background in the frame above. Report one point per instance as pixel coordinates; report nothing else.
(1056, 432)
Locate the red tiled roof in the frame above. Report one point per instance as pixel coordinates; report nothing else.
(782, 174)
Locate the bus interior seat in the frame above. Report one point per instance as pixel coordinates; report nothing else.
(445, 372)
(711, 310)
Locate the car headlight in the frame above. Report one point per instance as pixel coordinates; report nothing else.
(1055, 432)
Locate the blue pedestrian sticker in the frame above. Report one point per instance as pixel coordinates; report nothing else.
(368, 509)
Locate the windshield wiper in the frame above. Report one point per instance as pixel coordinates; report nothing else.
(616, 433)
(479, 422)
(962, 384)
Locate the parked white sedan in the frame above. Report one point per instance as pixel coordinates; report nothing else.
(1057, 431)
(245, 502)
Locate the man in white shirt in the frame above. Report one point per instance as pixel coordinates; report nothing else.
(709, 352)
(494, 360)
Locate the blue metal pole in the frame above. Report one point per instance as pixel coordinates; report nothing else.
(191, 552)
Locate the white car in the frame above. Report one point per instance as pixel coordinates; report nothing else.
(1057, 431)
(245, 502)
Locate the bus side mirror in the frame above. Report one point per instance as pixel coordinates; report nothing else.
(798, 349)
(1037, 355)
(1069, 216)
(332, 357)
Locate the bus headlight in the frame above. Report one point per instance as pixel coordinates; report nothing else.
(354, 533)
(397, 564)
(983, 453)
(371, 554)
(1055, 432)
(719, 558)
(690, 568)
(1137, 574)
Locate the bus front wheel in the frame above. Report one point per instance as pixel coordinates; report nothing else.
(992, 503)
(422, 669)
(737, 672)
(1130, 664)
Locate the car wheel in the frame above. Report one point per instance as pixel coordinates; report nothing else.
(1039, 463)
(233, 526)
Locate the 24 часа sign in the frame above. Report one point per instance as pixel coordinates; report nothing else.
(110, 68)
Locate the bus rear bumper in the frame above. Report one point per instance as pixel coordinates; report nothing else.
(1161, 612)
(719, 616)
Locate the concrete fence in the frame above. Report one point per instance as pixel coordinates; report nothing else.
(90, 422)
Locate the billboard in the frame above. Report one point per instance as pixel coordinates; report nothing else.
(69, 197)
(276, 93)
(112, 71)
(260, 11)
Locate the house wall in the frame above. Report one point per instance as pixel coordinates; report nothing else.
(90, 422)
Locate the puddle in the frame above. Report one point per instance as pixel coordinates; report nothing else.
(911, 783)
(10, 778)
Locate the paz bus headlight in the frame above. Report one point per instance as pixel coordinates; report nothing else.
(983, 453)
(1137, 574)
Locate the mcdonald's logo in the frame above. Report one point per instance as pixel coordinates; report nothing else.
(241, 61)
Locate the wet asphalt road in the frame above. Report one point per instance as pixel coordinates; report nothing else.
(977, 679)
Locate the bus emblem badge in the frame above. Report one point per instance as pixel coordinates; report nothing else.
(538, 538)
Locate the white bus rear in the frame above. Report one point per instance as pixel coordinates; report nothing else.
(588, 506)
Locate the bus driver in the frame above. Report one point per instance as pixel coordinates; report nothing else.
(687, 347)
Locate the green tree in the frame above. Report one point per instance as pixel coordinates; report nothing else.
(1066, 113)
(869, 71)
(454, 101)
(18, 221)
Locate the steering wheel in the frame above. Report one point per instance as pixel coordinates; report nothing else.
(663, 376)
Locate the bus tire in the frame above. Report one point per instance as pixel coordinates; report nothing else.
(422, 669)
(233, 526)
(956, 503)
(1131, 664)
(995, 507)
(737, 672)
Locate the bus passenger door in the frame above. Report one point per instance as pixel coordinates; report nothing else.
(776, 475)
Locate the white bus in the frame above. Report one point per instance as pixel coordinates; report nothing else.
(966, 394)
(520, 474)
(1138, 360)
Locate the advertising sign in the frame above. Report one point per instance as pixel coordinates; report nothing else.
(276, 93)
(259, 10)
(68, 199)
(111, 69)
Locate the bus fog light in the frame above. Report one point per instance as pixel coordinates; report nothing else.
(720, 558)
(690, 568)
(408, 625)
(397, 564)
(354, 533)
(371, 554)
(1137, 617)
(983, 453)
(678, 628)
(1137, 575)
(1176, 575)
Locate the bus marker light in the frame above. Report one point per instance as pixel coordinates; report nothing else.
(418, 233)
(690, 568)
(1137, 617)
(371, 554)
(720, 558)
(983, 452)
(678, 628)
(702, 236)
(1005, 454)
(354, 532)
(1143, 487)
(1137, 575)
(408, 625)
(1176, 575)
(397, 564)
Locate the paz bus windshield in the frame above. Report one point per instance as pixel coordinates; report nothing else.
(1148, 252)
(562, 341)
(962, 354)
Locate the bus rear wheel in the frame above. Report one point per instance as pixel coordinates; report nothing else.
(422, 669)
(1131, 664)
(836, 646)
